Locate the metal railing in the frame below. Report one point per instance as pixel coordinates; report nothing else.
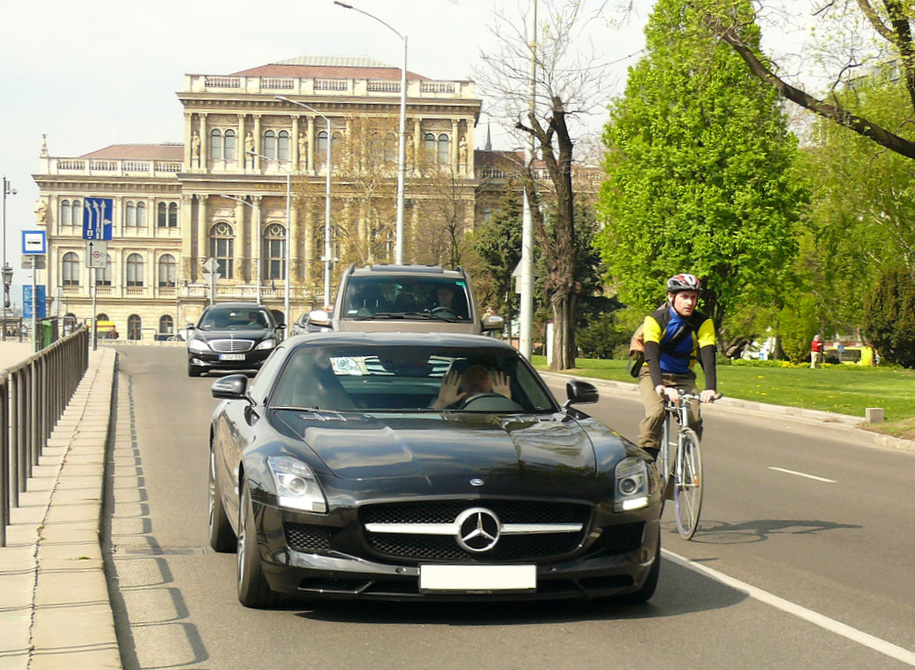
(33, 397)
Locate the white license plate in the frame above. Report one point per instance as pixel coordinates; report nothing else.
(477, 578)
(231, 357)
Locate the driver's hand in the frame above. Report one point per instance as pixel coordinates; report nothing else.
(672, 393)
(500, 384)
(709, 395)
(448, 392)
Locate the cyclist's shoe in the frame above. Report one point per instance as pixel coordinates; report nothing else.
(651, 452)
(669, 489)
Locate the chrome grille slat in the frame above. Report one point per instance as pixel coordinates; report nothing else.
(231, 346)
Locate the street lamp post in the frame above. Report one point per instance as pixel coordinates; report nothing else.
(257, 213)
(288, 228)
(328, 250)
(7, 270)
(402, 144)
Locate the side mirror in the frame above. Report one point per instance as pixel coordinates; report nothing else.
(319, 317)
(189, 326)
(232, 387)
(493, 322)
(579, 392)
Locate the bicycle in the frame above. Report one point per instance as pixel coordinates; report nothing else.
(686, 469)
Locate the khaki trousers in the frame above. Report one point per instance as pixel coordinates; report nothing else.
(650, 427)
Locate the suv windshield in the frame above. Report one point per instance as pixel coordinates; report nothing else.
(235, 319)
(394, 297)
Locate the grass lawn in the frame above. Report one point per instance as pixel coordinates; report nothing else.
(845, 389)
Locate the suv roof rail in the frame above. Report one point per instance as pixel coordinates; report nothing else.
(390, 267)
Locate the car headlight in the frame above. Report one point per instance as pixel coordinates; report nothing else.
(197, 346)
(266, 344)
(631, 485)
(296, 486)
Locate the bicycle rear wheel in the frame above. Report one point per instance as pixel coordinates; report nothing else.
(688, 485)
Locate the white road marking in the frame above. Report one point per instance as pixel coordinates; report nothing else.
(833, 626)
(803, 474)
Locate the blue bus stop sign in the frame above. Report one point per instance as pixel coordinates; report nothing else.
(27, 301)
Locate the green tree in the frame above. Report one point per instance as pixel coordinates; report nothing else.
(699, 172)
(497, 245)
(889, 317)
(862, 215)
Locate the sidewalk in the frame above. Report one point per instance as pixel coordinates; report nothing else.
(58, 615)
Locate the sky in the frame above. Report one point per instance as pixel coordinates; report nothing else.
(99, 72)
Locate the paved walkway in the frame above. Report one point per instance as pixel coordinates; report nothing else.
(59, 616)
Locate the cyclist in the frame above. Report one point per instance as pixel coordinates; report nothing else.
(675, 336)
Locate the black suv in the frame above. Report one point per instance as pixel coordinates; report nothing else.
(231, 336)
(407, 298)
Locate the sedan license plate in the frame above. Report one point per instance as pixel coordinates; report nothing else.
(231, 357)
(477, 578)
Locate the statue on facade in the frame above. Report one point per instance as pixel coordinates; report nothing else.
(303, 150)
(195, 146)
(462, 152)
(249, 148)
(41, 212)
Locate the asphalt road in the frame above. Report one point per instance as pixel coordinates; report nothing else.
(804, 558)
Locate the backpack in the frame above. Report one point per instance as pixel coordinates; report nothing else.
(637, 346)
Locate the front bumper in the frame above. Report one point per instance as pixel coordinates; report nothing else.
(210, 361)
(327, 573)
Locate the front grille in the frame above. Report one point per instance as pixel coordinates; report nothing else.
(231, 346)
(521, 547)
(620, 539)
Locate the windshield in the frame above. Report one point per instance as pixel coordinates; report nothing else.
(422, 378)
(433, 297)
(235, 319)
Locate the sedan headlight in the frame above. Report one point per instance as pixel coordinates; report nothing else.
(296, 486)
(631, 485)
(266, 344)
(197, 346)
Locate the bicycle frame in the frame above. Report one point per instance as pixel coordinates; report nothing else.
(686, 472)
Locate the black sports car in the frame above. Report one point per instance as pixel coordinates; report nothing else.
(404, 466)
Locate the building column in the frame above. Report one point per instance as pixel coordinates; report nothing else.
(417, 144)
(295, 150)
(186, 226)
(201, 234)
(240, 144)
(455, 138)
(310, 167)
(242, 231)
(188, 134)
(258, 149)
(258, 218)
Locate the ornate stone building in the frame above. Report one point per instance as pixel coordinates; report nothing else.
(222, 193)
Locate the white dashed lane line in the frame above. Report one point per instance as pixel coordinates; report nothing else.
(803, 474)
(866, 639)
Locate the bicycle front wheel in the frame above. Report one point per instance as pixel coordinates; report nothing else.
(688, 484)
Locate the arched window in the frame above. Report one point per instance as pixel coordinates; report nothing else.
(321, 156)
(390, 148)
(76, 210)
(429, 145)
(162, 215)
(216, 144)
(103, 275)
(282, 147)
(168, 271)
(130, 214)
(173, 215)
(166, 325)
(134, 327)
(69, 270)
(65, 214)
(229, 145)
(134, 270)
(222, 249)
(270, 145)
(274, 257)
(442, 158)
(141, 215)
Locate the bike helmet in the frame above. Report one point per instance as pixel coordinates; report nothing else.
(683, 282)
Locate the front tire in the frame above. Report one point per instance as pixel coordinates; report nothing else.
(253, 590)
(222, 538)
(192, 370)
(688, 488)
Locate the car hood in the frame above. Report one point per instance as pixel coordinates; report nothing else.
(436, 447)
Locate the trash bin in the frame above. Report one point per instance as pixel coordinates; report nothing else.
(48, 332)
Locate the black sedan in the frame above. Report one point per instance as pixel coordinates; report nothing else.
(231, 336)
(437, 467)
